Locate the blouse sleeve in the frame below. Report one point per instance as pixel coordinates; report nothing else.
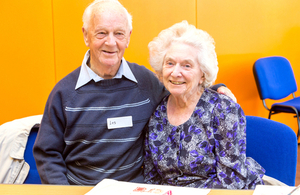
(229, 130)
(151, 175)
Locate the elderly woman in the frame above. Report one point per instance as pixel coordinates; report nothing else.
(196, 137)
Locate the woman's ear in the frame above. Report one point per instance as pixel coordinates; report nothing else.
(202, 79)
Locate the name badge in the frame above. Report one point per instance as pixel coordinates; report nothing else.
(119, 122)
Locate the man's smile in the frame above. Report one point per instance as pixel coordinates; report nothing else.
(109, 52)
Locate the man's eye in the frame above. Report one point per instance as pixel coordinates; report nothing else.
(187, 66)
(100, 34)
(119, 35)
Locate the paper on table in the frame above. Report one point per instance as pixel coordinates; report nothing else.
(110, 186)
(274, 190)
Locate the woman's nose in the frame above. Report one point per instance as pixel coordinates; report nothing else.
(176, 71)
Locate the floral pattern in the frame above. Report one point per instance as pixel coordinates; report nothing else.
(207, 151)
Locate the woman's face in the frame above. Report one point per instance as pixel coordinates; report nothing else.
(181, 72)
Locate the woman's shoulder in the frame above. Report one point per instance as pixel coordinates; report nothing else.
(220, 102)
(215, 97)
(224, 108)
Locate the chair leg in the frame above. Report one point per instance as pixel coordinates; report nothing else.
(298, 122)
(270, 113)
(298, 134)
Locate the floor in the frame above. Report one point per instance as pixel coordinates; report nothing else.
(298, 168)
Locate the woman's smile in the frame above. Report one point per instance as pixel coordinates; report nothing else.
(177, 82)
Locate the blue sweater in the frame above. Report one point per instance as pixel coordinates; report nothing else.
(74, 145)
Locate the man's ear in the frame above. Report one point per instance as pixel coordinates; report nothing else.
(85, 37)
(128, 39)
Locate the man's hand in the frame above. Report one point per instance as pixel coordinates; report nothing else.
(226, 91)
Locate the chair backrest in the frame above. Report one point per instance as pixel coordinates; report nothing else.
(33, 175)
(274, 77)
(274, 146)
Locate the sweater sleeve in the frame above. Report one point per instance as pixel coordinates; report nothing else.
(50, 144)
(216, 87)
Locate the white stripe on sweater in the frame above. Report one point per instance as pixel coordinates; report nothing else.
(131, 139)
(111, 170)
(80, 109)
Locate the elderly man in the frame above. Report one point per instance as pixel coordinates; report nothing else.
(94, 118)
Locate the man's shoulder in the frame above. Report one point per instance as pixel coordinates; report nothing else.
(71, 78)
(141, 72)
(137, 67)
(148, 82)
(67, 83)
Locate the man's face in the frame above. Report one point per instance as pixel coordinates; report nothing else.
(107, 37)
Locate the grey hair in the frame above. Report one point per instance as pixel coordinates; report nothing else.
(186, 33)
(96, 4)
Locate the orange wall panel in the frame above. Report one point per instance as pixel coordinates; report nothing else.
(149, 18)
(26, 71)
(68, 37)
(245, 31)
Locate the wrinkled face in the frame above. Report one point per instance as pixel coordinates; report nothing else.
(107, 37)
(181, 72)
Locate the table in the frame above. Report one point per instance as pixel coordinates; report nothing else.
(30, 189)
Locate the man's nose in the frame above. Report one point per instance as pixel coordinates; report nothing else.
(111, 39)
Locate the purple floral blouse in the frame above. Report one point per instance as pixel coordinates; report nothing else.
(207, 151)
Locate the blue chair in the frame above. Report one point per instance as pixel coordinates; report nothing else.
(33, 175)
(274, 146)
(275, 80)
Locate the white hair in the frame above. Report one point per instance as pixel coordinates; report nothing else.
(186, 33)
(96, 5)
